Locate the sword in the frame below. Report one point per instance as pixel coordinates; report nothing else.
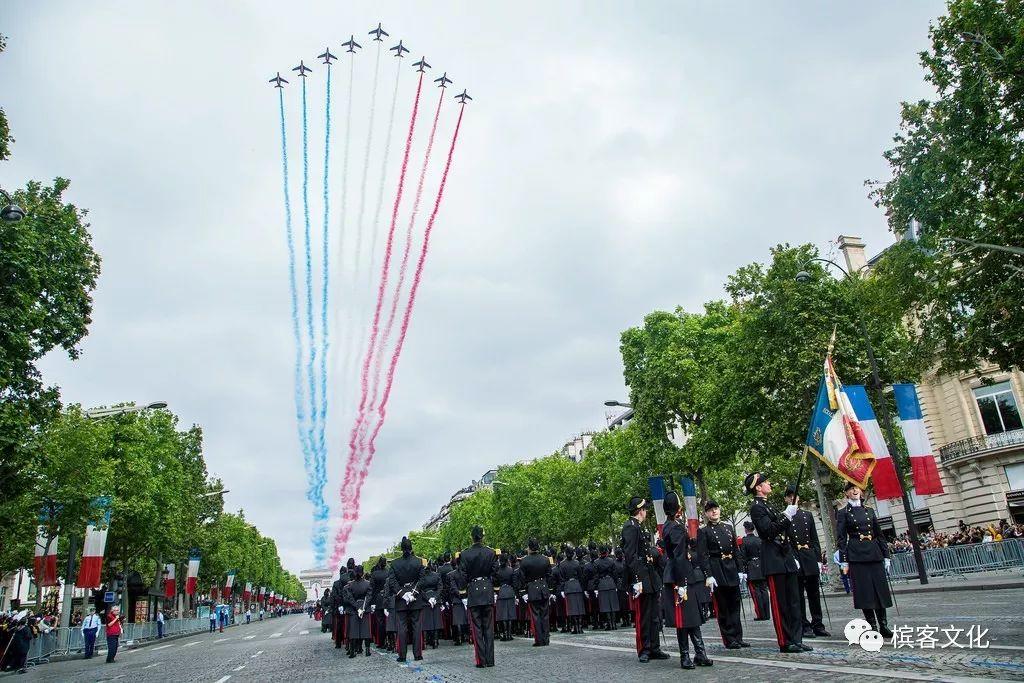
(824, 601)
(892, 592)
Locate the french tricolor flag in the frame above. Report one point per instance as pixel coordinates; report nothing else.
(45, 561)
(192, 576)
(922, 459)
(247, 593)
(93, 548)
(657, 487)
(230, 582)
(170, 582)
(887, 484)
(690, 505)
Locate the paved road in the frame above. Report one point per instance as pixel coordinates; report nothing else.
(293, 649)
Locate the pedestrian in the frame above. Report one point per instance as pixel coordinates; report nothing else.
(403, 578)
(20, 634)
(716, 548)
(687, 616)
(757, 584)
(478, 563)
(261, 613)
(213, 618)
(807, 548)
(638, 557)
(356, 595)
(779, 563)
(90, 627)
(865, 556)
(113, 634)
(159, 623)
(248, 615)
(534, 574)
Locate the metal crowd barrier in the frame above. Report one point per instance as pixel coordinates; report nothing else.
(63, 641)
(961, 560)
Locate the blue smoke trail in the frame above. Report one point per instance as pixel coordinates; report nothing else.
(300, 414)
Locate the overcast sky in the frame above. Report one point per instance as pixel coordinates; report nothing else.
(617, 158)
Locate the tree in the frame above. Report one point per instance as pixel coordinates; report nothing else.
(958, 169)
(5, 130)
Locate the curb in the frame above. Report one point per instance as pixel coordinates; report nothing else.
(952, 587)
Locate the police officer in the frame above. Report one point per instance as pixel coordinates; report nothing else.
(864, 555)
(403, 580)
(716, 548)
(750, 560)
(534, 576)
(686, 616)
(779, 563)
(477, 561)
(807, 547)
(641, 581)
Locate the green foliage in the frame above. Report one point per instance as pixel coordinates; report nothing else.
(958, 168)
(5, 130)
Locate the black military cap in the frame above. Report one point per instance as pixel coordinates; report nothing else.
(748, 525)
(477, 533)
(636, 503)
(710, 505)
(671, 504)
(752, 480)
(850, 485)
(791, 490)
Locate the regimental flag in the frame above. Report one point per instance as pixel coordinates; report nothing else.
(170, 582)
(95, 545)
(228, 584)
(922, 458)
(690, 505)
(45, 560)
(193, 571)
(657, 487)
(835, 436)
(887, 484)
(247, 593)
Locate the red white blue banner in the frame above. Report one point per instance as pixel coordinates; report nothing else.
(922, 458)
(45, 561)
(192, 576)
(887, 484)
(170, 583)
(94, 546)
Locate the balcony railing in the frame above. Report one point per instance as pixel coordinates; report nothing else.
(976, 444)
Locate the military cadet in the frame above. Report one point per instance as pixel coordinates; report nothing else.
(534, 575)
(757, 584)
(378, 577)
(403, 579)
(430, 592)
(457, 594)
(505, 607)
(570, 576)
(716, 548)
(357, 595)
(446, 600)
(864, 555)
(641, 581)
(807, 547)
(338, 604)
(478, 562)
(625, 614)
(606, 588)
(686, 612)
(779, 563)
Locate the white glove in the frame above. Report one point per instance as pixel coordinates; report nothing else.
(711, 583)
(845, 566)
(443, 607)
(790, 511)
(887, 563)
(638, 588)
(432, 601)
(408, 597)
(387, 613)
(743, 577)
(681, 590)
(526, 599)
(797, 562)
(341, 610)
(359, 613)
(373, 608)
(465, 602)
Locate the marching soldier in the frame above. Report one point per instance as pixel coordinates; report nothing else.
(625, 614)
(457, 586)
(505, 612)
(430, 592)
(687, 616)
(403, 581)
(534, 577)
(357, 594)
(338, 605)
(446, 600)
(757, 584)
(570, 575)
(478, 563)
(779, 563)
(805, 541)
(606, 589)
(716, 548)
(641, 581)
(378, 577)
(864, 554)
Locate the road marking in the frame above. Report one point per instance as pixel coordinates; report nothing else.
(992, 646)
(194, 642)
(248, 637)
(220, 640)
(304, 633)
(859, 671)
(152, 665)
(258, 653)
(293, 626)
(276, 635)
(162, 647)
(222, 679)
(239, 667)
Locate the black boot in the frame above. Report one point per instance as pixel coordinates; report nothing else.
(700, 655)
(883, 624)
(684, 649)
(367, 647)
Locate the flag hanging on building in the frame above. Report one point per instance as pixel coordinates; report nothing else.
(94, 546)
(228, 584)
(834, 436)
(170, 581)
(690, 505)
(271, 600)
(192, 577)
(922, 459)
(45, 561)
(887, 484)
(247, 593)
(657, 487)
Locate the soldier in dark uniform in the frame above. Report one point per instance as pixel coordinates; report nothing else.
(606, 589)
(505, 607)
(430, 592)
(757, 584)
(716, 548)
(807, 547)
(864, 554)
(641, 581)
(457, 585)
(338, 606)
(378, 577)
(686, 612)
(356, 595)
(403, 579)
(779, 563)
(478, 562)
(570, 576)
(446, 600)
(534, 575)
(620, 583)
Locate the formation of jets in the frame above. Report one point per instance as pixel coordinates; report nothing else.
(351, 45)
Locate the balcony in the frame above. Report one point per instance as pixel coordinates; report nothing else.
(966, 448)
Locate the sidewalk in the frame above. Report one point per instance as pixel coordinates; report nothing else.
(994, 581)
(101, 648)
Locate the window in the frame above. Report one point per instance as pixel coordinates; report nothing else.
(998, 408)
(1015, 476)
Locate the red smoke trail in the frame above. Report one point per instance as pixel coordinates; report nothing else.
(354, 440)
(346, 530)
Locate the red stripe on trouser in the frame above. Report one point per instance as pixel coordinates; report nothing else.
(753, 597)
(718, 617)
(635, 603)
(776, 615)
(533, 625)
(476, 641)
(680, 620)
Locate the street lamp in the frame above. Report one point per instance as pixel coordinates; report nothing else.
(99, 413)
(883, 411)
(11, 212)
(620, 404)
(214, 493)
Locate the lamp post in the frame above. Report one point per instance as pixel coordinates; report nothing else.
(11, 212)
(883, 411)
